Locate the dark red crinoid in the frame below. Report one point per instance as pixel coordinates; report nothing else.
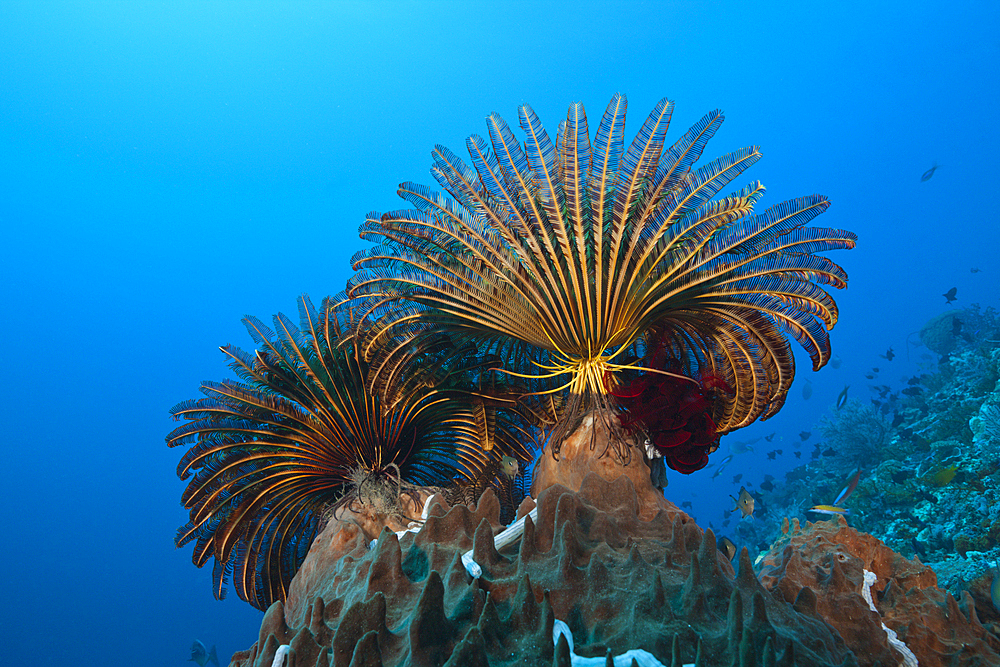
(674, 413)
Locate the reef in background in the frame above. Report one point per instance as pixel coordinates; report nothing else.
(609, 556)
(928, 448)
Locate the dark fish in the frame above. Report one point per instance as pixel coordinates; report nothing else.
(874, 369)
(767, 486)
(737, 478)
(842, 399)
(686, 504)
(829, 452)
(814, 454)
(950, 295)
(888, 356)
(202, 656)
(930, 172)
(913, 380)
(912, 391)
(956, 327)
(744, 503)
(726, 522)
(974, 270)
(869, 376)
(727, 547)
(807, 390)
(804, 435)
(770, 437)
(772, 454)
(798, 455)
(835, 361)
(897, 419)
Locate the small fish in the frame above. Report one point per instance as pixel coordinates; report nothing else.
(930, 172)
(804, 435)
(807, 390)
(944, 477)
(727, 547)
(835, 361)
(912, 391)
(722, 466)
(829, 452)
(742, 446)
(897, 419)
(846, 492)
(829, 509)
(798, 455)
(956, 327)
(950, 295)
(686, 504)
(995, 587)
(767, 485)
(744, 503)
(772, 454)
(202, 656)
(726, 522)
(888, 356)
(869, 376)
(770, 437)
(974, 270)
(737, 478)
(509, 466)
(842, 399)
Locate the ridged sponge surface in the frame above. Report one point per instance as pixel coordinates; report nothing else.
(618, 581)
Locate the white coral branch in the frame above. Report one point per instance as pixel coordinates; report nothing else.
(909, 660)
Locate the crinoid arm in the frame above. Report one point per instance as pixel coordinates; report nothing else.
(575, 251)
(301, 432)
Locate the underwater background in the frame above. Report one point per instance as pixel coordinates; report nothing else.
(167, 168)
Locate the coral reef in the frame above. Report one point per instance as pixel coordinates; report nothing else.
(930, 484)
(829, 558)
(614, 560)
(858, 432)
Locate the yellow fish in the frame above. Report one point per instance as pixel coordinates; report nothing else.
(744, 503)
(829, 509)
(509, 466)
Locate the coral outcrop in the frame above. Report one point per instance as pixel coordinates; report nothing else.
(619, 582)
(622, 567)
(828, 559)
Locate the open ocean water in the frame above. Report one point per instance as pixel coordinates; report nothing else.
(168, 167)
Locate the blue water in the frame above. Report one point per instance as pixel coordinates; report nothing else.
(167, 168)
